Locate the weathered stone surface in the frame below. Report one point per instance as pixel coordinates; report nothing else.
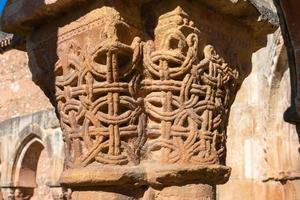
(144, 90)
(115, 58)
(268, 146)
(19, 93)
(149, 174)
(114, 109)
(31, 155)
(185, 192)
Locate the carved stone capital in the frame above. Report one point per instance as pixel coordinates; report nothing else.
(150, 107)
(143, 94)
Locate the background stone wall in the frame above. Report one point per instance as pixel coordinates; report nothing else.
(32, 155)
(262, 149)
(26, 116)
(19, 95)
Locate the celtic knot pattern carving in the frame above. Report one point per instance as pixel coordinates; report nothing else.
(166, 100)
(100, 112)
(187, 100)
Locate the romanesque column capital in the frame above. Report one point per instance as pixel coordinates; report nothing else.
(143, 90)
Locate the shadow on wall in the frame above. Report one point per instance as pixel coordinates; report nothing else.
(290, 23)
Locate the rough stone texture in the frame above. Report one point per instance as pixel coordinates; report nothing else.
(19, 95)
(186, 192)
(108, 94)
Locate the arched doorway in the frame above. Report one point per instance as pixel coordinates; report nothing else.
(42, 190)
(30, 173)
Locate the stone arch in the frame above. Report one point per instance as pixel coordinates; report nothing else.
(30, 158)
(26, 163)
(29, 132)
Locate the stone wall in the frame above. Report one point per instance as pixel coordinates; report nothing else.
(263, 150)
(19, 95)
(31, 155)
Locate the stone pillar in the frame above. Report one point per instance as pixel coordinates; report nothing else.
(143, 91)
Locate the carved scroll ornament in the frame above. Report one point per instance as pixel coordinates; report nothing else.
(164, 100)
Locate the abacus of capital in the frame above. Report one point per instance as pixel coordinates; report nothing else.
(142, 89)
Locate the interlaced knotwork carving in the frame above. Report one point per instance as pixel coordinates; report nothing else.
(101, 114)
(187, 100)
(180, 100)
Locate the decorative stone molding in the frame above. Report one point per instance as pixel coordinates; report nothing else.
(143, 95)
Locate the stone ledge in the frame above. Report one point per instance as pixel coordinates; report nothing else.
(145, 174)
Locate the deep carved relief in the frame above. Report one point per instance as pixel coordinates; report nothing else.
(101, 114)
(171, 108)
(188, 94)
(142, 90)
